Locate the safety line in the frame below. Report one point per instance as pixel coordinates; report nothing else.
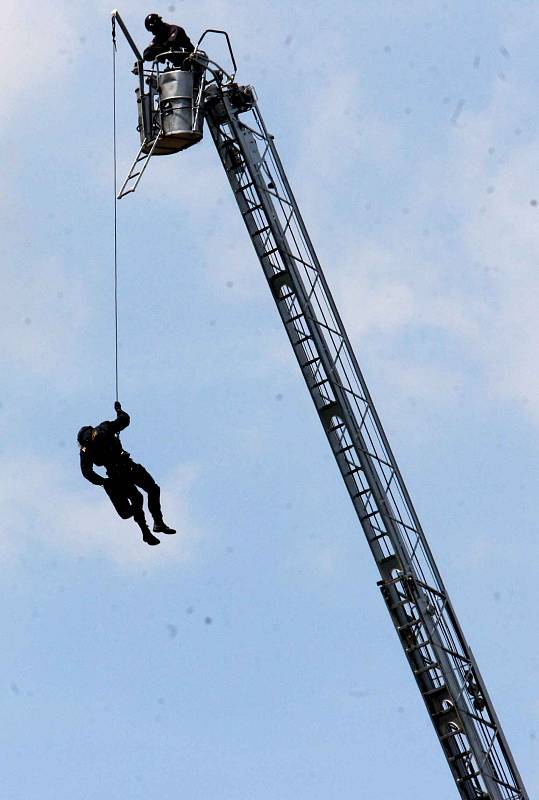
(115, 204)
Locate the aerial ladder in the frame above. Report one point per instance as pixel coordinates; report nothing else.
(173, 106)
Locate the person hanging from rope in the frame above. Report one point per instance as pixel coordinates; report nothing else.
(166, 38)
(101, 446)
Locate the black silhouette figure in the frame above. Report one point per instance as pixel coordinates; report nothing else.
(165, 38)
(101, 446)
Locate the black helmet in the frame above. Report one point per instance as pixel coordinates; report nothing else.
(152, 21)
(84, 435)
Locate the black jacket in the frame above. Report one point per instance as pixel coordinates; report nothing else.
(104, 449)
(170, 37)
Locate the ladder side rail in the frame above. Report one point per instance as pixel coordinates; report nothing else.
(350, 352)
(505, 756)
(452, 629)
(285, 259)
(251, 153)
(255, 169)
(332, 305)
(372, 425)
(246, 210)
(455, 625)
(142, 158)
(449, 633)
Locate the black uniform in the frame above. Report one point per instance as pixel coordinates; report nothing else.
(169, 37)
(102, 446)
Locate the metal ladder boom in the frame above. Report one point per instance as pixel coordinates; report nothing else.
(442, 663)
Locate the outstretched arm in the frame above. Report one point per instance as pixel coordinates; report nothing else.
(122, 419)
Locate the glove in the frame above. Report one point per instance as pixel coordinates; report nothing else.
(117, 406)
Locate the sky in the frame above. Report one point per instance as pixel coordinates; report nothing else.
(250, 657)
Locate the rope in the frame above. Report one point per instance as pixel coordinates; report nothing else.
(115, 205)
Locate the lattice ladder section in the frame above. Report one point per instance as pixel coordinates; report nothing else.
(139, 165)
(441, 661)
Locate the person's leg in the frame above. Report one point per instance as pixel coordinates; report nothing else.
(141, 477)
(119, 499)
(136, 500)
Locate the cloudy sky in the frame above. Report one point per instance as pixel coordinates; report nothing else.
(251, 657)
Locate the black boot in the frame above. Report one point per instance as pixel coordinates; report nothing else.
(148, 537)
(162, 527)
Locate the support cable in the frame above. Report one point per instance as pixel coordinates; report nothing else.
(115, 205)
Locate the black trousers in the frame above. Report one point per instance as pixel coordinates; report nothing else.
(121, 487)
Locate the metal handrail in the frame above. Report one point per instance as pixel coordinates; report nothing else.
(140, 61)
(116, 16)
(225, 34)
(165, 53)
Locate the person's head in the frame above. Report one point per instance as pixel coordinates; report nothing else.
(153, 23)
(84, 436)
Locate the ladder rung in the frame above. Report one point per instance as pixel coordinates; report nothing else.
(419, 645)
(295, 317)
(436, 690)
(464, 754)
(469, 776)
(286, 296)
(426, 668)
(360, 494)
(251, 209)
(261, 230)
(442, 737)
(444, 712)
(353, 468)
(408, 625)
(336, 427)
(270, 252)
(377, 537)
(369, 515)
(319, 383)
(308, 364)
(401, 604)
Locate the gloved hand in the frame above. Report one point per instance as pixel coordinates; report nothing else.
(117, 406)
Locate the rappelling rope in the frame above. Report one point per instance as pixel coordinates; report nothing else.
(115, 204)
